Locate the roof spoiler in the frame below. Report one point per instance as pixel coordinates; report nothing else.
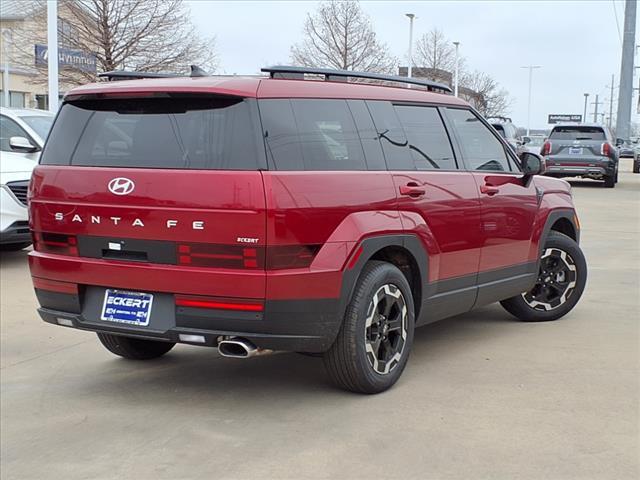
(115, 75)
(298, 73)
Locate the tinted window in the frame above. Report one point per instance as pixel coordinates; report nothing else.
(189, 133)
(311, 135)
(368, 135)
(481, 149)
(8, 129)
(428, 140)
(577, 133)
(392, 137)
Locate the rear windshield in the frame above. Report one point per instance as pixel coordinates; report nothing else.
(577, 133)
(183, 133)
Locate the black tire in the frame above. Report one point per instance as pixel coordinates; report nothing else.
(557, 304)
(13, 247)
(609, 181)
(636, 167)
(348, 362)
(134, 348)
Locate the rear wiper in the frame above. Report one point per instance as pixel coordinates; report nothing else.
(584, 138)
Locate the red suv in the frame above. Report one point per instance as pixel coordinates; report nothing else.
(285, 213)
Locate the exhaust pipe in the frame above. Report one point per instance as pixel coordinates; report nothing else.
(236, 347)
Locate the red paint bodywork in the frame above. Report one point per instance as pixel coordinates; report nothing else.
(462, 230)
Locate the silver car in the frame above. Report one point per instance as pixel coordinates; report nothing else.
(24, 131)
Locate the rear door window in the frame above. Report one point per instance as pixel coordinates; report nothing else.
(577, 133)
(311, 135)
(428, 140)
(480, 147)
(176, 133)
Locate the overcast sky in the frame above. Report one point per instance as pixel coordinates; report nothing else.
(576, 42)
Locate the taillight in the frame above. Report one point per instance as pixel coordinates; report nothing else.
(220, 256)
(290, 256)
(219, 303)
(605, 149)
(55, 243)
(546, 149)
(244, 257)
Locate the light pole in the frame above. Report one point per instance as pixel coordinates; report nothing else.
(584, 117)
(6, 37)
(52, 53)
(456, 70)
(411, 18)
(531, 68)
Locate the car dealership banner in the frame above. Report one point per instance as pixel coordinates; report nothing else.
(564, 117)
(67, 57)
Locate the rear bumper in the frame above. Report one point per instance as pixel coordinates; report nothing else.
(570, 167)
(308, 325)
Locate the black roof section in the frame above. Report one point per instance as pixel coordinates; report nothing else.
(280, 71)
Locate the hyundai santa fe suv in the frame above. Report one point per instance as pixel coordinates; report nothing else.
(291, 212)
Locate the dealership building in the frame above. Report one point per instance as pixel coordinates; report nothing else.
(24, 54)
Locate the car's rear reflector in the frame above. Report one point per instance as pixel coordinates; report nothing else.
(55, 243)
(546, 148)
(218, 304)
(55, 286)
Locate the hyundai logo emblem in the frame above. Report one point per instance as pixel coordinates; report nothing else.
(121, 186)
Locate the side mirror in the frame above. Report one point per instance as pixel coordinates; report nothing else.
(619, 142)
(21, 144)
(526, 140)
(532, 164)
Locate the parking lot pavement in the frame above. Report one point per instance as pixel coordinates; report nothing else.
(483, 396)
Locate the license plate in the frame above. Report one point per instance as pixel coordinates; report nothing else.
(133, 308)
(575, 151)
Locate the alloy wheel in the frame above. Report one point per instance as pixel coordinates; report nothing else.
(386, 329)
(556, 281)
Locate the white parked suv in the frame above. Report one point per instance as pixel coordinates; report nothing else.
(22, 135)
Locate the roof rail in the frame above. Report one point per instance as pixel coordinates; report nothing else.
(298, 73)
(501, 118)
(113, 75)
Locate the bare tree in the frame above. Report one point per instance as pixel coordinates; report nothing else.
(493, 100)
(434, 51)
(143, 35)
(340, 35)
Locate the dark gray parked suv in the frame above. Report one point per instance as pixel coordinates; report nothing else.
(582, 150)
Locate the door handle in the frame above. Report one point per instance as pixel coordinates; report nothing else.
(412, 189)
(489, 190)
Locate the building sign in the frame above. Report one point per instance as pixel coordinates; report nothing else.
(85, 61)
(564, 117)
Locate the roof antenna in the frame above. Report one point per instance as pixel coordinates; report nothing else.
(196, 71)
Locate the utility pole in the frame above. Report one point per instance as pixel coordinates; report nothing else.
(52, 53)
(411, 18)
(584, 117)
(625, 93)
(456, 71)
(611, 101)
(531, 68)
(595, 113)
